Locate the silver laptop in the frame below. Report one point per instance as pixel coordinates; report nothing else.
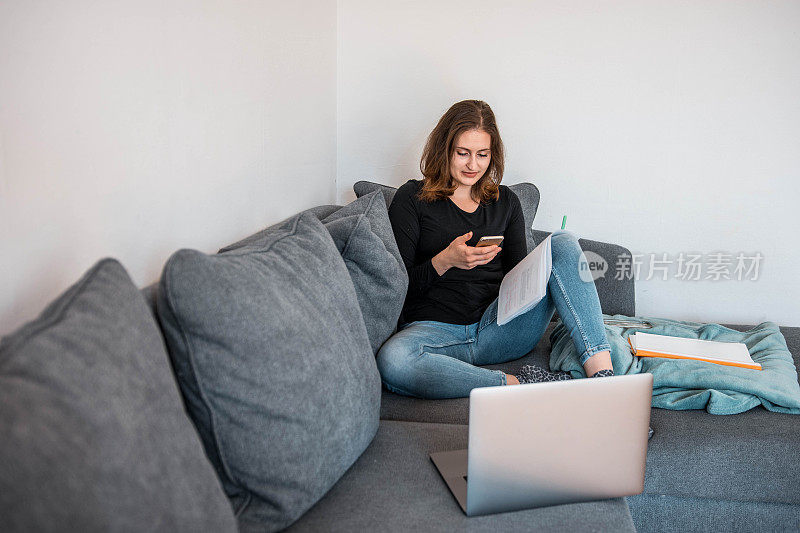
(551, 443)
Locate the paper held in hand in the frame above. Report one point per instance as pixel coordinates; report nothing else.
(525, 285)
(721, 353)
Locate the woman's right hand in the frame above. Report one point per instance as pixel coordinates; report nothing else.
(459, 255)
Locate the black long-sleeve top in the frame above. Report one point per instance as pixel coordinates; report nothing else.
(423, 229)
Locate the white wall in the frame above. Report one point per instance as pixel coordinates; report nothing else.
(132, 129)
(664, 126)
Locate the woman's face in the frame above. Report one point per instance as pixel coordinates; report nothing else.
(471, 157)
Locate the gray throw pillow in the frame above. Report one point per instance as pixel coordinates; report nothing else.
(93, 434)
(363, 234)
(275, 365)
(527, 193)
(258, 239)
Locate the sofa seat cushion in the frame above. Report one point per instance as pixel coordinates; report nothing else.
(672, 514)
(750, 456)
(394, 486)
(275, 364)
(93, 434)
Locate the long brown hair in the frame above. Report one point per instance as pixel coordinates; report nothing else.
(435, 163)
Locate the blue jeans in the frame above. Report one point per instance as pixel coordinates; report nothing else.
(430, 359)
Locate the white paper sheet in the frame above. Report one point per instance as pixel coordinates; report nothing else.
(525, 285)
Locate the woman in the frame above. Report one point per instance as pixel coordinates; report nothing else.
(448, 327)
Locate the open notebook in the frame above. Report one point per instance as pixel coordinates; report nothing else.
(721, 353)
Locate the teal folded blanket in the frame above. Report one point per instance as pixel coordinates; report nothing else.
(685, 384)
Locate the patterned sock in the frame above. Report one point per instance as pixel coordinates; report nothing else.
(537, 374)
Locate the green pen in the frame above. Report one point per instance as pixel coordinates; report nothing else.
(564, 222)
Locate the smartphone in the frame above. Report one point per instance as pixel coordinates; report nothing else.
(490, 240)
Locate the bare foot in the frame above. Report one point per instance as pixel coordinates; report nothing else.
(597, 362)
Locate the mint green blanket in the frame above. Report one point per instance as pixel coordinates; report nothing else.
(684, 384)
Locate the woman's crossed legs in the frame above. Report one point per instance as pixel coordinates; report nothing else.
(431, 359)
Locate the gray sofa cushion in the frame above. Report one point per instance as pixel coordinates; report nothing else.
(363, 234)
(362, 188)
(750, 456)
(94, 435)
(527, 193)
(670, 514)
(394, 487)
(258, 238)
(274, 361)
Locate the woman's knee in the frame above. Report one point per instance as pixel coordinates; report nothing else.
(394, 359)
(567, 238)
(565, 246)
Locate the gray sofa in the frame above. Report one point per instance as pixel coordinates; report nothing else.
(240, 392)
